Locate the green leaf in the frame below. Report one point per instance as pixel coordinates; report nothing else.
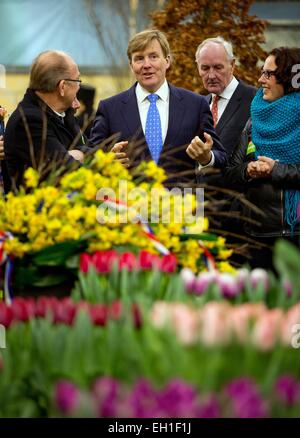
(56, 255)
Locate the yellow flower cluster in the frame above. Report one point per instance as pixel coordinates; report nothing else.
(41, 215)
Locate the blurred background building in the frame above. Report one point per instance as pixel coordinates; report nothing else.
(96, 33)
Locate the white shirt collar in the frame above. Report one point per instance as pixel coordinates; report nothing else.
(59, 114)
(142, 94)
(230, 89)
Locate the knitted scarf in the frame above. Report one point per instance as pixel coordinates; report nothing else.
(276, 134)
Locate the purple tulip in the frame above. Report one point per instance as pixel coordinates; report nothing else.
(143, 400)
(177, 399)
(203, 281)
(229, 288)
(66, 397)
(209, 409)
(106, 391)
(245, 399)
(287, 389)
(188, 278)
(288, 288)
(242, 276)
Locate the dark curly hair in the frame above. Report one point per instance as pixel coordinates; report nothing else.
(285, 59)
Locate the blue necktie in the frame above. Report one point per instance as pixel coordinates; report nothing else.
(153, 128)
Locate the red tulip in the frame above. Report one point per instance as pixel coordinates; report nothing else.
(168, 263)
(99, 314)
(128, 261)
(6, 314)
(115, 310)
(103, 260)
(85, 262)
(137, 316)
(64, 312)
(148, 260)
(45, 306)
(23, 309)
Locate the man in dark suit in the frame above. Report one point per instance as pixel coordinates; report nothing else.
(175, 130)
(230, 102)
(43, 128)
(229, 98)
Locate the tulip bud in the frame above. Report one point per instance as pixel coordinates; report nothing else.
(203, 281)
(228, 285)
(259, 276)
(188, 278)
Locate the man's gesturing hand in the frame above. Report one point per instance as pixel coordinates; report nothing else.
(121, 156)
(199, 150)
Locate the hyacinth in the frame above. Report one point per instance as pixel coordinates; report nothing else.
(41, 214)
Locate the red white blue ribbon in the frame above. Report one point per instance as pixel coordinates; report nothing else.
(8, 262)
(120, 206)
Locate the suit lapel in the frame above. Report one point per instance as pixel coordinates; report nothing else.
(131, 117)
(231, 108)
(176, 113)
(130, 114)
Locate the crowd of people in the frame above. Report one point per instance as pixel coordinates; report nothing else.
(237, 136)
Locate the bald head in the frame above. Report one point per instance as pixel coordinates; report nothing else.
(48, 69)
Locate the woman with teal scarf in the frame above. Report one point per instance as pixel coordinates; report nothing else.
(267, 162)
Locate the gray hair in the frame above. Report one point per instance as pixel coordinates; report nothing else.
(218, 40)
(48, 69)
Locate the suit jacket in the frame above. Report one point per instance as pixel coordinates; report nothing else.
(59, 136)
(189, 115)
(233, 120)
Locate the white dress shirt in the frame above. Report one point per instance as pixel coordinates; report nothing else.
(162, 104)
(225, 96)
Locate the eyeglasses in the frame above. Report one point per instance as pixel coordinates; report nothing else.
(73, 80)
(79, 81)
(268, 73)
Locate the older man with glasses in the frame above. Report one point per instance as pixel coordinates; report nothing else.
(42, 132)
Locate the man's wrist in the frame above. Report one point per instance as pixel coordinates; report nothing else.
(206, 160)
